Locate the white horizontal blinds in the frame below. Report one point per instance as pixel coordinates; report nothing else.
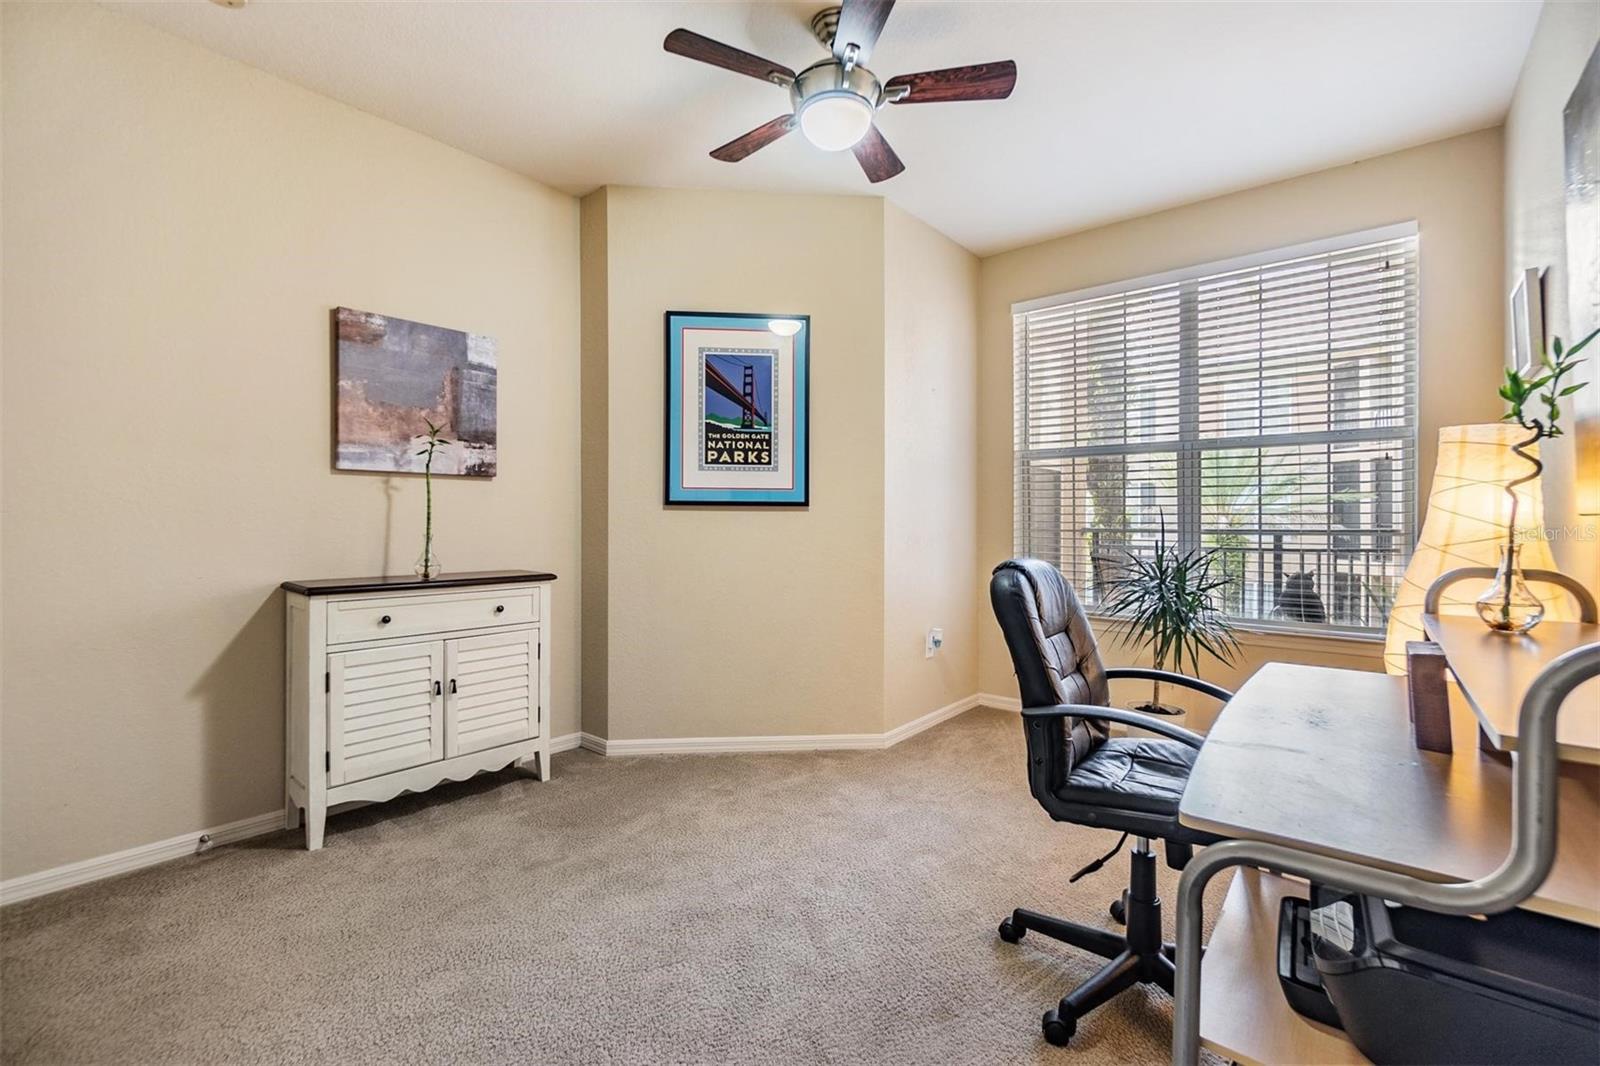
(1097, 395)
(1267, 411)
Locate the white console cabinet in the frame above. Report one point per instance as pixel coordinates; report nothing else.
(395, 684)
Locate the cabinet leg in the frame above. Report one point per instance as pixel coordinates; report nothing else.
(538, 764)
(291, 813)
(316, 819)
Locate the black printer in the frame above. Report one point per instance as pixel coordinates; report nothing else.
(1412, 986)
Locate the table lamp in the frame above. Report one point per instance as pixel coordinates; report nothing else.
(1468, 509)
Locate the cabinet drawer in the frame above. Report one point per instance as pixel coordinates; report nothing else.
(400, 616)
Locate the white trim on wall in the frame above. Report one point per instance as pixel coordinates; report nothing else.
(804, 742)
(85, 871)
(137, 858)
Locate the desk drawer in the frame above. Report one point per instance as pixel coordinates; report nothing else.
(400, 616)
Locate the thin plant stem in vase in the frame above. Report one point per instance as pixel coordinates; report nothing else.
(1167, 601)
(427, 563)
(1509, 606)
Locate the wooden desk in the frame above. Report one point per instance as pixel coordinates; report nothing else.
(1243, 1015)
(1495, 670)
(1322, 760)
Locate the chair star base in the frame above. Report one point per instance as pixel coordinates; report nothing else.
(1137, 957)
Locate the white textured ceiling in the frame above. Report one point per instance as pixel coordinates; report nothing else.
(1120, 108)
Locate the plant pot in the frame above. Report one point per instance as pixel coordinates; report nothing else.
(1166, 712)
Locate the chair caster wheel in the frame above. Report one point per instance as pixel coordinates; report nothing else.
(1009, 932)
(1119, 910)
(1058, 1030)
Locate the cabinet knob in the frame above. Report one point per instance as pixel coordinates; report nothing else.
(438, 689)
(385, 620)
(499, 608)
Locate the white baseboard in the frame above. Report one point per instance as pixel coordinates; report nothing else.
(81, 873)
(1000, 703)
(73, 874)
(798, 742)
(928, 721)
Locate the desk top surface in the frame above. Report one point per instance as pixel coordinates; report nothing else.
(1495, 670)
(1323, 760)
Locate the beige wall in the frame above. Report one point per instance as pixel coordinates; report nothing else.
(1452, 189)
(596, 438)
(177, 227)
(745, 621)
(930, 288)
(1535, 218)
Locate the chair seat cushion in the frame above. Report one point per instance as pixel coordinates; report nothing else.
(1133, 774)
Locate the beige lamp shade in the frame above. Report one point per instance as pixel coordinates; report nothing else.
(1466, 526)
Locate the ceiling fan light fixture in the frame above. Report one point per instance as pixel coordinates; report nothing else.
(836, 120)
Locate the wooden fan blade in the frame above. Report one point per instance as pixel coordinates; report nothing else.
(876, 157)
(755, 140)
(981, 81)
(692, 45)
(860, 23)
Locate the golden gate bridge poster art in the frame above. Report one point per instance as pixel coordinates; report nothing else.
(737, 404)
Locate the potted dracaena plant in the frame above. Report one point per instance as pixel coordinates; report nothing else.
(1509, 605)
(428, 563)
(1166, 601)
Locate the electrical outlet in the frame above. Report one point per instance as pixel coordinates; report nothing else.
(935, 642)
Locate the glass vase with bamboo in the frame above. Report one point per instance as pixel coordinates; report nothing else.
(428, 563)
(1509, 605)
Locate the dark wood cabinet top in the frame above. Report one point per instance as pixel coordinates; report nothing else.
(334, 586)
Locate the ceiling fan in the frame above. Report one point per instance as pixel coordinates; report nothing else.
(835, 100)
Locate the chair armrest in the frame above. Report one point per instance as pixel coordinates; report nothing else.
(1152, 723)
(1144, 673)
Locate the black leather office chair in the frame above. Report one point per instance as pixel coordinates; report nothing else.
(1080, 774)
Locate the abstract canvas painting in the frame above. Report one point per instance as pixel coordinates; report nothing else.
(396, 376)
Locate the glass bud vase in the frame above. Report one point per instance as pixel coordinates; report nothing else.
(427, 566)
(1510, 605)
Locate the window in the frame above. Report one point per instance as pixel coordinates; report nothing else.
(1264, 407)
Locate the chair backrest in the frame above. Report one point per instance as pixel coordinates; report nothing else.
(1052, 647)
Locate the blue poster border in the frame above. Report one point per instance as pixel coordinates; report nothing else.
(674, 493)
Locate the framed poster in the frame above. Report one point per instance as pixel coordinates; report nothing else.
(1527, 321)
(738, 409)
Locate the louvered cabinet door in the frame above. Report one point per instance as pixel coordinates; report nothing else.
(385, 710)
(493, 691)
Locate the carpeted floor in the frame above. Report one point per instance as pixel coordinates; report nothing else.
(801, 908)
